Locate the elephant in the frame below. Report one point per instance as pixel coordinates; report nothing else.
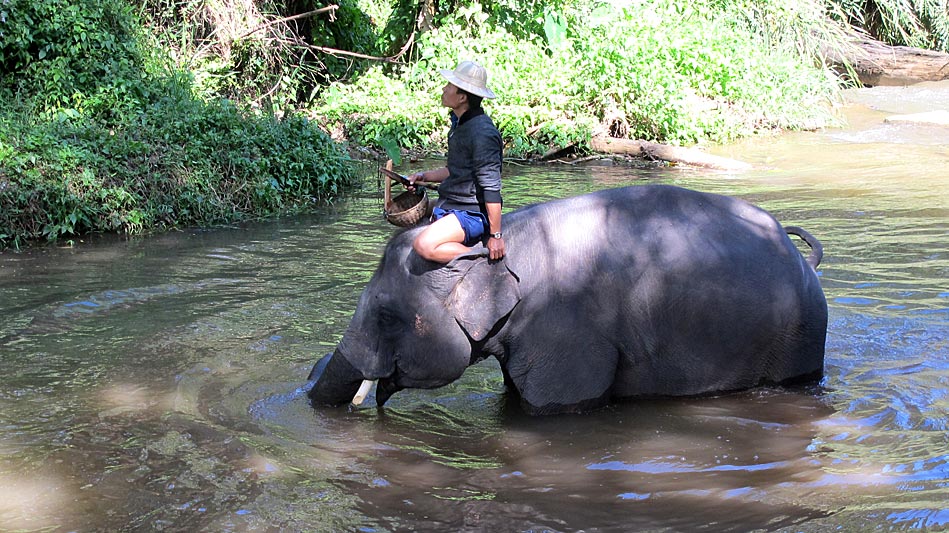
(647, 291)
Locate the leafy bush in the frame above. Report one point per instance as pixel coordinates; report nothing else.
(179, 162)
(689, 73)
(381, 108)
(62, 51)
(119, 142)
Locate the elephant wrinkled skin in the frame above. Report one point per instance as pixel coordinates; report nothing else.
(645, 291)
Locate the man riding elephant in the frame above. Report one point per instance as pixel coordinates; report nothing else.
(469, 204)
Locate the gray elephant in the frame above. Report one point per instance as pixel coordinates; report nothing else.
(637, 292)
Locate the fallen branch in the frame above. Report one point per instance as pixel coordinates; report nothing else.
(325, 49)
(337, 52)
(580, 161)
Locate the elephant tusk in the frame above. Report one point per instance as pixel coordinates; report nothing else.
(363, 391)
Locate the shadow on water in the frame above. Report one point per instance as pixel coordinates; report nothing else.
(625, 468)
(158, 383)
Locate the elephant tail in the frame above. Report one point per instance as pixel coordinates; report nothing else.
(817, 249)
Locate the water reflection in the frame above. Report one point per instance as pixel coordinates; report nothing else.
(158, 383)
(730, 461)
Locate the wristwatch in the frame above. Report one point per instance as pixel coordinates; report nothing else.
(496, 235)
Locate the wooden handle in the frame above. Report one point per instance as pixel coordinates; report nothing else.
(388, 190)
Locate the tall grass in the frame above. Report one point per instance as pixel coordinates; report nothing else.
(919, 23)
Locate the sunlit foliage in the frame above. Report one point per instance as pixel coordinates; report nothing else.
(665, 70)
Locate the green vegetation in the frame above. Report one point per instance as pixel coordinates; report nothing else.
(665, 70)
(919, 23)
(176, 162)
(136, 115)
(98, 133)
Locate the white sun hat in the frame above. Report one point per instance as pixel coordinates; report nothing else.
(471, 77)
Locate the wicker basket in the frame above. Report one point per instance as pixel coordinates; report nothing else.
(407, 209)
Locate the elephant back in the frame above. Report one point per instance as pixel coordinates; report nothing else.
(629, 230)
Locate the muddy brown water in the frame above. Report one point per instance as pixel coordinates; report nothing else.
(158, 383)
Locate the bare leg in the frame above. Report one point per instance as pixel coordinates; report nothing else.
(441, 241)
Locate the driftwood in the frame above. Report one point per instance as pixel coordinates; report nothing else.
(876, 63)
(664, 152)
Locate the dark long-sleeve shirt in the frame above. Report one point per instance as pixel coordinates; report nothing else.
(474, 164)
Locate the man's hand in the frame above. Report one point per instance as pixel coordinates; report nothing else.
(418, 176)
(437, 175)
(495, 248)
(495, 245)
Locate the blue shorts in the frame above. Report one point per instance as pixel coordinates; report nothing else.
(474, 223)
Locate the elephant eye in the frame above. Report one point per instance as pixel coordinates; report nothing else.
(389, 322)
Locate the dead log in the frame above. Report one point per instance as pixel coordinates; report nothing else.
(876, 63)
(664, 152)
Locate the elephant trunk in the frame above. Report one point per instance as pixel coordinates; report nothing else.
(337, 381)
(385, 389)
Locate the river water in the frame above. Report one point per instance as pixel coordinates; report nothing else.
(158, 383)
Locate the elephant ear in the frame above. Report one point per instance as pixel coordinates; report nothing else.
(478, 292)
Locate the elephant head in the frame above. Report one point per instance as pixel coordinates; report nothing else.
(418, 324)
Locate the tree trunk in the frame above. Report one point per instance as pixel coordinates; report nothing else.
(664, 152)
(876, 63)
